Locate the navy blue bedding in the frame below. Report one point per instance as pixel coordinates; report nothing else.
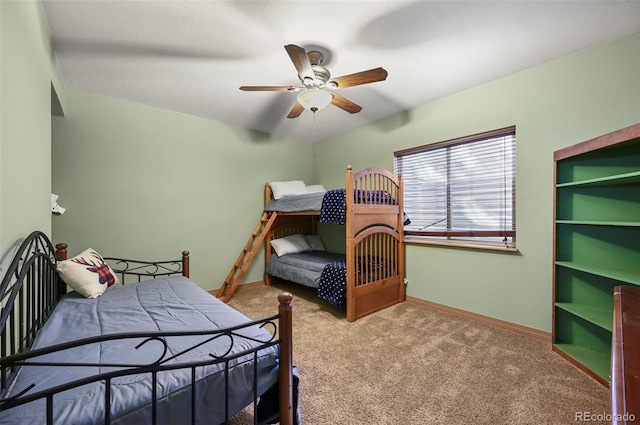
(333, 283)
(334, 207)
(333, 279)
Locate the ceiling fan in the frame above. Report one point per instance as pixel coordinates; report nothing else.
(318, 88)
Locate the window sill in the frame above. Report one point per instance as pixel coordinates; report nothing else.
(460, 244)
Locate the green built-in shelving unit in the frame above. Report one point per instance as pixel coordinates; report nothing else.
(596, 243)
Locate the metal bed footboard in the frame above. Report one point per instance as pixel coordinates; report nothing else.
(156, 366)
(29, 292)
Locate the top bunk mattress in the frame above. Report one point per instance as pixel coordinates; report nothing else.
(332, 204)
(166, 304)
(297, 203)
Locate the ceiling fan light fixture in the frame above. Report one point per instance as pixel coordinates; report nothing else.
(314, 99)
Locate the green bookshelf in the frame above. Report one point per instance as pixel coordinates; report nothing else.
(596, 244)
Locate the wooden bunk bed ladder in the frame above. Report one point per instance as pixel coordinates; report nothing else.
(246, 256)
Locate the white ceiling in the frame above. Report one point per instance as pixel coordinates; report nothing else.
(191, 56)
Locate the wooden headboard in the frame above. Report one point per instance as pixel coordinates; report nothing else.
(286, 226)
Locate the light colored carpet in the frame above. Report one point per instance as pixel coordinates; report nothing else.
(410, 364)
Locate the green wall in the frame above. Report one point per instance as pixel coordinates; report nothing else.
(143, 182)
(28, 72)
(140, 181)
(553, 105)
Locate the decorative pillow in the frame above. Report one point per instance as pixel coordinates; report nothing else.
(315, 243)
(87, 273)
(290, 245)
(316, 188)
(288, 188)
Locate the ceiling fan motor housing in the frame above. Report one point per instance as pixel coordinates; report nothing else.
(322, 74)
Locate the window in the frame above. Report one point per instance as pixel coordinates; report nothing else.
(461, 190)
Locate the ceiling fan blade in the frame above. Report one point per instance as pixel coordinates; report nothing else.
(296, 111)
(364, 77)
(301, 61)
(345, 104)
(269, 88)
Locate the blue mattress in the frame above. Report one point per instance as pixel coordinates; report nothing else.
(298, 203)
(331, 204)
(325, 271)
(168, 304)
(304, 268)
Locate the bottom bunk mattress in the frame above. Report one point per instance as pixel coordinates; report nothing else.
(325, 271)
(172, 304)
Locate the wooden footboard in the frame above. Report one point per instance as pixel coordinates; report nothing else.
(377, 199)
(375, 271)
(375, 232)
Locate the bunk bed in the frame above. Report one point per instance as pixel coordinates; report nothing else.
(370, 275)
(157, 351)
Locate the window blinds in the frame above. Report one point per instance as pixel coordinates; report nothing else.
(461, 189)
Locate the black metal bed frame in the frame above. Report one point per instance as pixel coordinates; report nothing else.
(30, 290)
(140, 270)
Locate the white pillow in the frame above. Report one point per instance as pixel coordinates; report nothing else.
(315, 243)
(290, 245)
(288, 188)
(314, 188)
(87, 273)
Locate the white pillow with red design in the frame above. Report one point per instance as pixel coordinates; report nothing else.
(87, 273)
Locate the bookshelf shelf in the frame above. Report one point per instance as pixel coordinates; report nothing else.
(620, 179)
(596, 243)
(600, 223)
(630, 276)
(598, 316)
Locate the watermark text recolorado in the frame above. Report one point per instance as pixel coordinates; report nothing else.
(603, 417)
